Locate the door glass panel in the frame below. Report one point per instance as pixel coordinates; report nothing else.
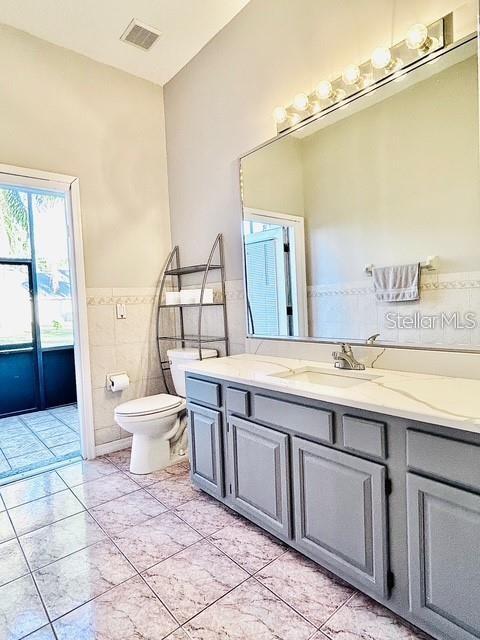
(14, 226)
(52, 265)
(16, 307)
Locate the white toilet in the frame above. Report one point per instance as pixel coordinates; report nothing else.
(154, 421)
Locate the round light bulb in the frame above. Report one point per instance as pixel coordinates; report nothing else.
(280, 114)
(324, 90)
(351, 74)
(417, 36)
(381, 58)
(300, 102)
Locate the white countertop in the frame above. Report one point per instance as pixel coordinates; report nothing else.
(450, 402)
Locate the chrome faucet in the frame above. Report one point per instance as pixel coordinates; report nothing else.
(345, 359)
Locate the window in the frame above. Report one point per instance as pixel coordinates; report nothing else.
(33, 231)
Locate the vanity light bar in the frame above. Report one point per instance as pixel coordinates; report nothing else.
(420, 41)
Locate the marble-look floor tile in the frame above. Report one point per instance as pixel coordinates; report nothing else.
(179, 634)
(191, 580)
(4, 466)
(26, 461)
(45, 633)
(6, 529)
(65, 449)
(305, 586)
(129, 611)
(76, 579)
(179, 469)
(362, 618)
(21, 610)
(85, 471)
(248, 545)
(31, 489)
(57, 436)
(104, 489)
(45, 424)
(119, 514)
(174, 491)
(21, 445)
(249, 612)
(12, 562)
(47, 510)
(206, 515)
(155, 540)
(55, 541)
(121, 458)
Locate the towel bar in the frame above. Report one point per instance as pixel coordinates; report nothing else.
(430, 264)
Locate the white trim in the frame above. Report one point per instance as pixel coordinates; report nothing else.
(300, 288)
(70, 186)
(115, 445)
(82, 348)
(36, 174)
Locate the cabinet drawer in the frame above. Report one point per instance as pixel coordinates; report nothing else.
(309, 421)
(364, 436)
(238, 401)
(451, 460)
(203, 391)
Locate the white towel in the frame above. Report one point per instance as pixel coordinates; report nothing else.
(398, 283)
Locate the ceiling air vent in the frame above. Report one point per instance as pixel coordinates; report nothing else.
(140, 35)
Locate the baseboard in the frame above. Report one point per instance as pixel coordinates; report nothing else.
(110, 447)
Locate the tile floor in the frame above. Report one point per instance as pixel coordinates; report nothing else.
(37, 439)
(91, 552)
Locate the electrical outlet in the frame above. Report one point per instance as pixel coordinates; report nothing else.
(121, 311)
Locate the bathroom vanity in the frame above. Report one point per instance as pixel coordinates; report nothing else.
(374, 475)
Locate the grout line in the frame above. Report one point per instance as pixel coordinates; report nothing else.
(30, 574)
(324, 624)
(109, 537)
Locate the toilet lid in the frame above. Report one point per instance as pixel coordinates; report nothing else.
(148, 405)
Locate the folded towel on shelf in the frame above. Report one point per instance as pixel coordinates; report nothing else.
(398, 283)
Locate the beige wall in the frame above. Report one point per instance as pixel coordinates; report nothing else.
(65, 113)
(272, 178)
(397, 182)
(220, 105)
(62, 112)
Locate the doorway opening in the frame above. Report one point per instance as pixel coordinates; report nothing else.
(40, 425)
(274, 250)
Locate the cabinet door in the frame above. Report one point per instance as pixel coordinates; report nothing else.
(444, 557)
(206, 459)
(259, 474)
(340, 513)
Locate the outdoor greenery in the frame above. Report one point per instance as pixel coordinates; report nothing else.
(14, 228)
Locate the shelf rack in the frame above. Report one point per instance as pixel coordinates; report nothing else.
(174, 271)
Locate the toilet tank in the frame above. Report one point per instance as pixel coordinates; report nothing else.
(179, 360)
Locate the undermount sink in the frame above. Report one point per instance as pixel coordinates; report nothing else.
(313, 375)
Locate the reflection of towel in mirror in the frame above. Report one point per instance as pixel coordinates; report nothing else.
(397, 284)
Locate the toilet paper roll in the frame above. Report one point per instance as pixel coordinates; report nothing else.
(119, 382)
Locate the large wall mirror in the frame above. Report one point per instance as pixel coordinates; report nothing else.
(338, 213)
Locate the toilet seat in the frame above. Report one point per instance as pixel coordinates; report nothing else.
(161, 403)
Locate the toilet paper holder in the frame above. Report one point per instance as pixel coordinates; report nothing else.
(117, 381)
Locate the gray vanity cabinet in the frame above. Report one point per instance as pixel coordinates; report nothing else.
(259, 474)
(444, 557)
(340, 513)
(206, 455)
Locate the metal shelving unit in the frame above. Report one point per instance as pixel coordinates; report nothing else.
(176, 272)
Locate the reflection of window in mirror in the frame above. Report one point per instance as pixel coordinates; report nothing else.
(274, 248)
